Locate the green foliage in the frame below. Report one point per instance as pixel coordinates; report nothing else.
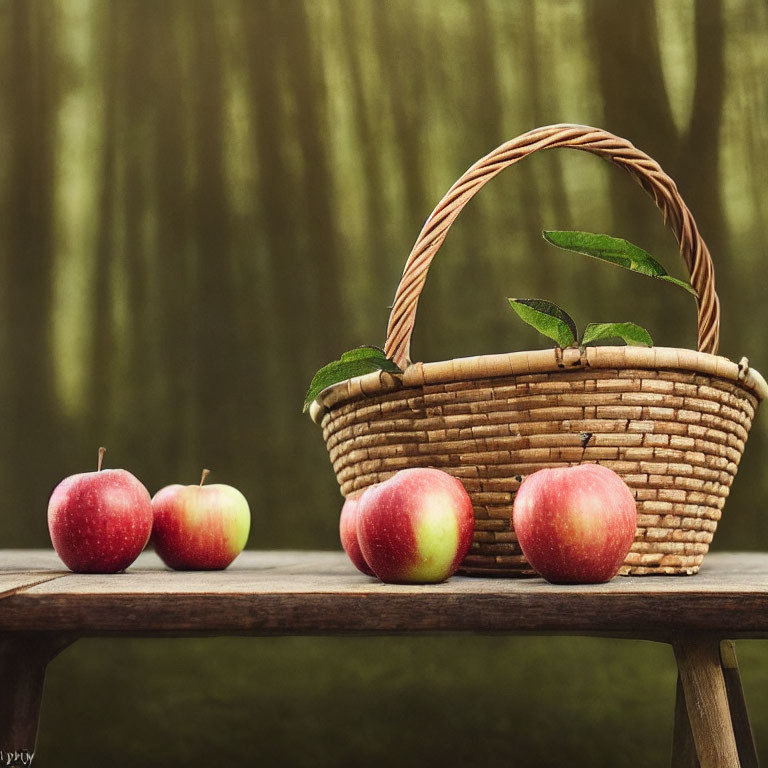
(555, 323)
(614, 250)
(629, 333)
(364, 353)
(548, 319)
(356, 362)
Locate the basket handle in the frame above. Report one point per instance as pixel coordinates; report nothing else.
(643, 169)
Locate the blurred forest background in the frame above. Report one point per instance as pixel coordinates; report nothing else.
(203, 201)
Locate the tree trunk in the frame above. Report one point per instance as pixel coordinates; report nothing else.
(29, 411)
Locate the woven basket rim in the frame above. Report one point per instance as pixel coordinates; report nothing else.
(540, 361)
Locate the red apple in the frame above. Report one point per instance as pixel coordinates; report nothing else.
(200, 527)
(415, 527)
(99, 521)
(348, 534)
(575, 525)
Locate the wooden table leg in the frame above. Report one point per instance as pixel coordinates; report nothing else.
(23, 659)
(742, 730)
(683, 748)
(706, 702)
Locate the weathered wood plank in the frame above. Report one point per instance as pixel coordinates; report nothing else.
(22, 568)
(302, 572)
(309, 592)
(35, 560)
(11, 583)
(721, 572)
(323, 612)
(25, 560)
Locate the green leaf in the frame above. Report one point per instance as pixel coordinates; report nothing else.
(356, 362)
(629, 333)
(614, 250)
(362, 353)
(547, 318)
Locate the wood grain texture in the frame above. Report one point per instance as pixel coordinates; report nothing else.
(742, 729)
(31, 561)
(13, 582)
(320, 592)
(701, 674)
(22, 568)
(683, 748)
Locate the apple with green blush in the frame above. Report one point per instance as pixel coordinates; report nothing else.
(416, 527)
(199, 527)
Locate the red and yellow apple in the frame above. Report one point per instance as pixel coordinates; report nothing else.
(415, 527)
(348, 535)
(99, 521)
(200, 527)
(576, 524)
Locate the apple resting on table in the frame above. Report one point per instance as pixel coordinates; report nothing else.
(415, 527)
(200, 527)
(576, 524)
(348, 535)
(99, 521)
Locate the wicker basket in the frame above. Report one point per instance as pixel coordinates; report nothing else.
(672, 422)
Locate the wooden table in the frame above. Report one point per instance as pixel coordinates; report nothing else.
(43, 609)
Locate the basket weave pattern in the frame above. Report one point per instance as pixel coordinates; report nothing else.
(676, 437)
(672, 422)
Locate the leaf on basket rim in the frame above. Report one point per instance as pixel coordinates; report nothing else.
(363, 353)
(630, 333)
(355, 362)
(548, 319)
(614, 250)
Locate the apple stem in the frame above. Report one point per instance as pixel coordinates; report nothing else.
(102, 451)
(206, 472)
(585, 437)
